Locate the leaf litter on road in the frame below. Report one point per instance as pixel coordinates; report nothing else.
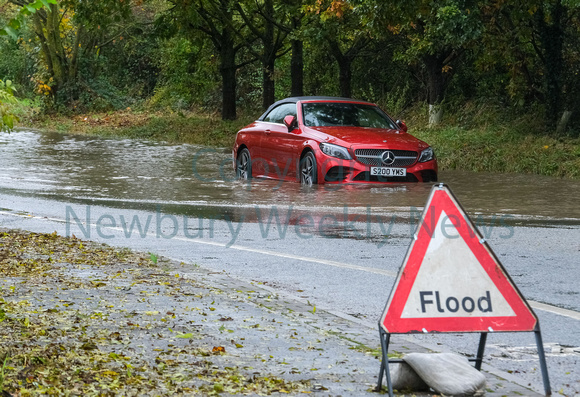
(78, 317)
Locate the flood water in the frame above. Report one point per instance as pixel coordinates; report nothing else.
(188, 178)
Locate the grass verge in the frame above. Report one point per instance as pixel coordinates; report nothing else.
(487, 137)
(172, 127)
(494, 150)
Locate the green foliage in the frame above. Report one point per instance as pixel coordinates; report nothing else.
(13, 27)
(7, 117)
(15, 63)
(188, 75)
(531, 49)
(68, 40)
(439, 26)
(100, 95)
(10, 59)
(321, 77)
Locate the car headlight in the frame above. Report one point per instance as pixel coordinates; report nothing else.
(426, 155)
(335, 151)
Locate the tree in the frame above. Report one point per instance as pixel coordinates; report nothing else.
(227, 32)
(265, 25)
(537, 42)
(340, 27)
(549, 17)
(289, 21)
(26, 9)
(344, 58)
(68, 30)
(571, 82)
(12, 28)
(438, 36)
(297, 61)
(436, 33)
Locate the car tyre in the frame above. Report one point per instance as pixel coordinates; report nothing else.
(308, 170)
(244, 165)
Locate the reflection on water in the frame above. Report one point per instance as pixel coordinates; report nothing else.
(183, 177)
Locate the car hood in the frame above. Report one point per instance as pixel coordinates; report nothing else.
(359, 136)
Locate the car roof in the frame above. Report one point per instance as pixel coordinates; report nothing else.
(296, 99)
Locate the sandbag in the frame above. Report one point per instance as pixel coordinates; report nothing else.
(447, 373)
(404, 378)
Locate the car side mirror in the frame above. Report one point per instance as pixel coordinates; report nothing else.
(401, 124)
(290, 122)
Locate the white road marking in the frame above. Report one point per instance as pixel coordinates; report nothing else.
(536, 305)
(236, 247)
(554, 309)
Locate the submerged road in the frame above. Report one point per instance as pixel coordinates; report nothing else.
(338, 248)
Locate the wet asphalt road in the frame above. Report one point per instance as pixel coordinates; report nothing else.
(339, 248)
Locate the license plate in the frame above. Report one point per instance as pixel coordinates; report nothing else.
(384, 171)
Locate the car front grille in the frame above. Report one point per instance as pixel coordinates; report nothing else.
(373, 157)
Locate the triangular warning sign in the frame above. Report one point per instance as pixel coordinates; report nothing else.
(451, 281)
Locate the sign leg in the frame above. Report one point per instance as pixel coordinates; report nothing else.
(543, 364)
(480, 350)
(382, 370)
(385, 339)
(381, 374)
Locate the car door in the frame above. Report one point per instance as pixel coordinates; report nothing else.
(250, 136)
(279, 147)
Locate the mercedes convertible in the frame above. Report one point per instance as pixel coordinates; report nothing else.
(331, 140)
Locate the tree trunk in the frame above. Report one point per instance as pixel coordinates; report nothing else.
(345, 77)
(62, 68)
(435, 80)
(47, 29)
(297, 62)
(435, 87)
(552, 39)
(297, 68)
(564, 120)
(74, 62)
(268, 84)
(39, 30)
(344, 67)
(268, 57)
(228, 71)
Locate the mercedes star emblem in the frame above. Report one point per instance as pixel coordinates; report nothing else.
(388, 157)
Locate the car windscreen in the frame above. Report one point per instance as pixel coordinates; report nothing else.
(324, 114)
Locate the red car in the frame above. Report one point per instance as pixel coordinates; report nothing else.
(331, 140)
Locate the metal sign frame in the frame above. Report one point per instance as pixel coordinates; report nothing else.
(385, 371)
(385, 334)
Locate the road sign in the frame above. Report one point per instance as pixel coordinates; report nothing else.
(451, 281)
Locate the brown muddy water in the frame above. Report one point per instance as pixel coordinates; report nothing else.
(186, 178)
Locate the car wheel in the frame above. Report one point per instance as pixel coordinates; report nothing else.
(244, 165)
(308, 170)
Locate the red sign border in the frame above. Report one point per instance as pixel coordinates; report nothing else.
(442, 199)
